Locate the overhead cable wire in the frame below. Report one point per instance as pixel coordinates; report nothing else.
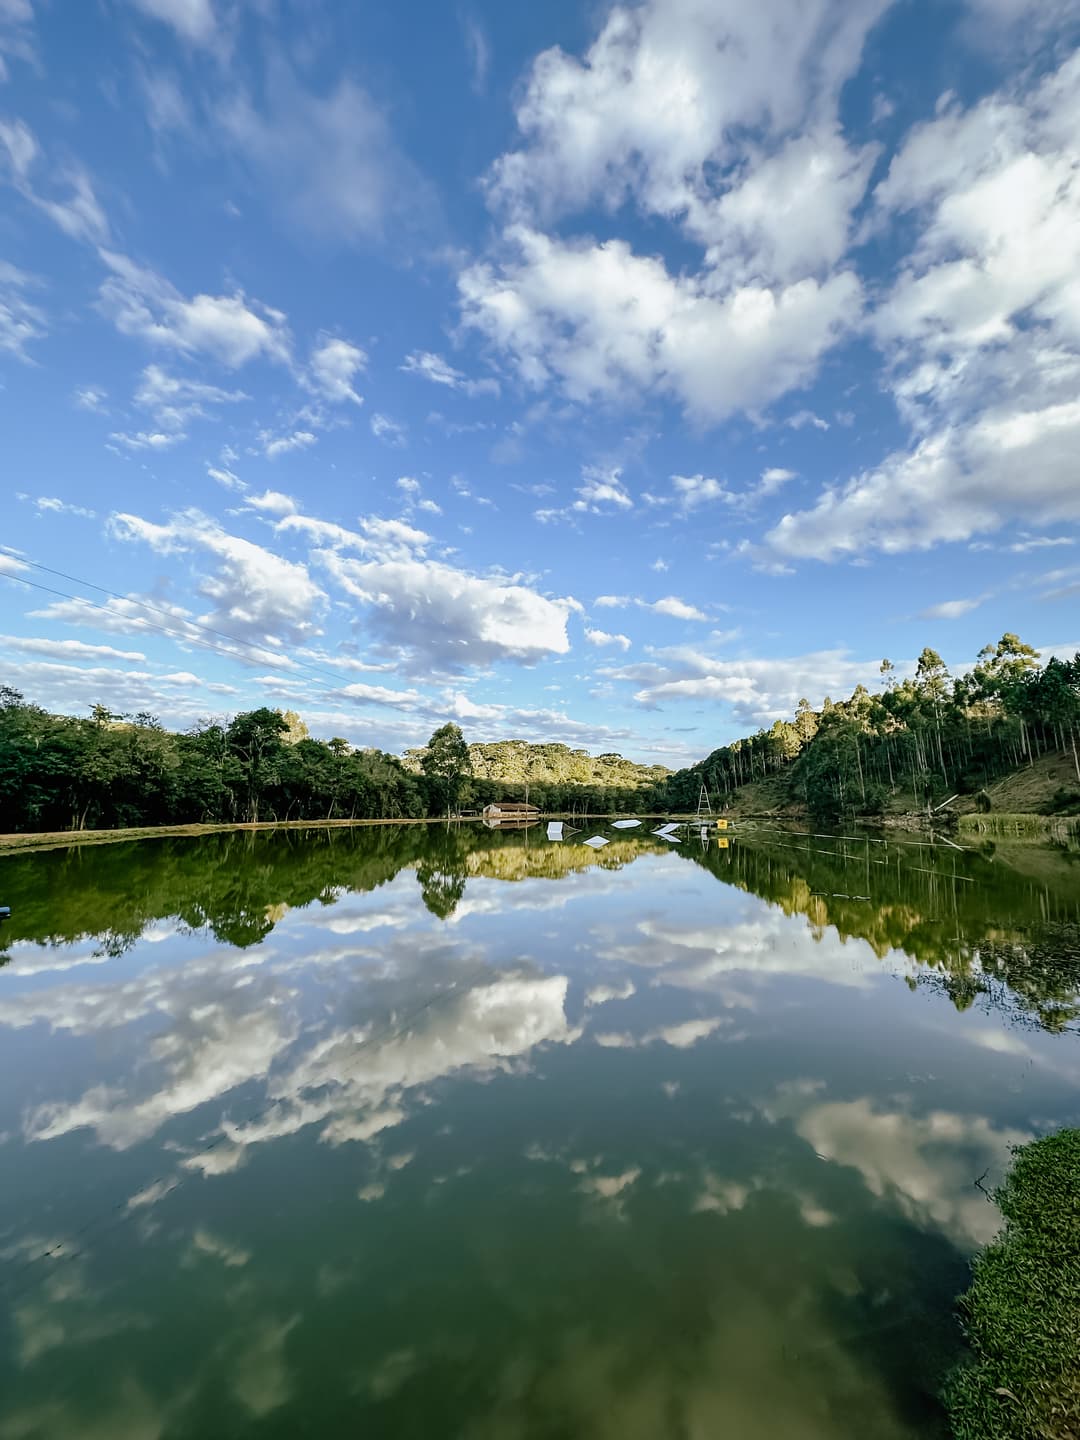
(149, 625)
(261, 650)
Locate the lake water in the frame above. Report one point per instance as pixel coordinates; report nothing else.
(406, 1132)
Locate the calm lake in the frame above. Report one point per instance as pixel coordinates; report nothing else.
(406, 1132)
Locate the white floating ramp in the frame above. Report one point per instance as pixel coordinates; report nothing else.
(596, 841)
(626, 824)
(555, 829)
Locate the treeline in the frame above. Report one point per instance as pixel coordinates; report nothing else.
(109, 771)
(924, 738)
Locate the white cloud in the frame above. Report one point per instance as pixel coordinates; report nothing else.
(434, 368)
(388, 430)
(602, 486)
(273, 502)
(451, 619)
(601, 638)
(226, 327)
(74, 207)
(274, 446)
(612, 602)
(68, 649)
(672, 606)
(664, 98)
(333, 365)
(479, 51)
(600, 321)
(802, 418)
(21, 322)
(254, 593)
(331, 160)
(716, 119)
(193, 20)
(694, 490)
(951, 609)
(148, 439)
(55, 506)
(91, 397)
(174, 400)
(981, 329)
(773, 478)
(225, 477)
(758, 690)
(16, 33)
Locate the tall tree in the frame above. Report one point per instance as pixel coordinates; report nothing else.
(446, 762)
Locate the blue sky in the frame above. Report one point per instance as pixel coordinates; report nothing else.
(607, 374)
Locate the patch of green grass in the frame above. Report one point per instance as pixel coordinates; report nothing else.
(1022, 1312)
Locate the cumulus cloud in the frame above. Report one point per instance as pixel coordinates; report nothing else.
(272, 502)
(981, 330)
(254, 593)
(672, 606)
(665, 97)
(602, 637)
(229, 328)
(723, 123)
(598, 321)
(334, 364)
(274, 446)
(451, 619)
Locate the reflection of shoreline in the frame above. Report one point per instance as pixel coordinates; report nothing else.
(239, 883)
(968, 918)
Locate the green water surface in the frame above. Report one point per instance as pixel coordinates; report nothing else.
(424, 1132)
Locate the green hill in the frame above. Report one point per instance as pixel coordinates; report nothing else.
(516, 762)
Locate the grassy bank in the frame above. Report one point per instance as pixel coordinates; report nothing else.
(1022, 1312)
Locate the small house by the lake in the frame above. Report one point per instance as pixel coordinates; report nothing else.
(507, 813)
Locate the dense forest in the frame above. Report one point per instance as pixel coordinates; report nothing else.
(108, 771)
(921, 739)
(911, 745)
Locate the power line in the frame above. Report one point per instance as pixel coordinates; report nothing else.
(144, 624)
(157, 609)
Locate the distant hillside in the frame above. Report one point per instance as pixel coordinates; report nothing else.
(516, 762)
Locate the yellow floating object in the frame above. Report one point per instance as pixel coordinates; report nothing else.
(722, 844)
(721, 824)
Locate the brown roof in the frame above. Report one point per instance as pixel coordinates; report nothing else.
(512, 807)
